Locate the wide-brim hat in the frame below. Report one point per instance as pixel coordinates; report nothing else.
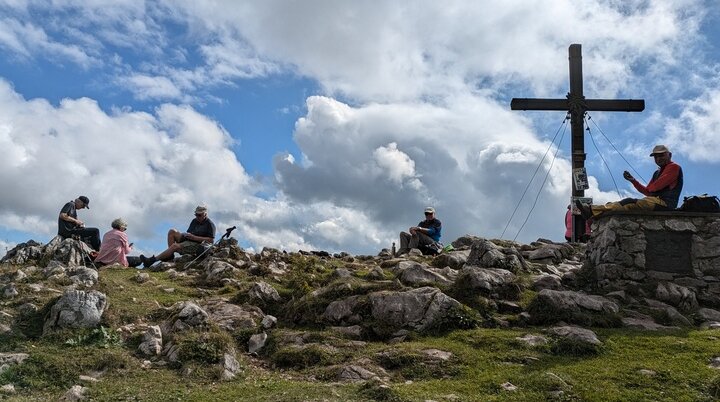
(659, 149)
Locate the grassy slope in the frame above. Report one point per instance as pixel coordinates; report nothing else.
(484, 359)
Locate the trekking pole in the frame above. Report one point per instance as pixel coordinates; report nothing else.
(225, 236)
(82, 249)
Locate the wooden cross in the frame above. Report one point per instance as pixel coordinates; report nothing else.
(577, 105)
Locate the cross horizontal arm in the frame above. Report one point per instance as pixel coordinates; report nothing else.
(606, 105)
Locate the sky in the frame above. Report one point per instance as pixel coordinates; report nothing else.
(331, 125)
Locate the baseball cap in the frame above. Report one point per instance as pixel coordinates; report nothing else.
(201, 209)
(429, 210)
(85, 201)
(659, 149)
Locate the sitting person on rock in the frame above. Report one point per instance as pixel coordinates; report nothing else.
(69, 225)
(201, 230)
(115, 247)
(426, 233)
(661, 193)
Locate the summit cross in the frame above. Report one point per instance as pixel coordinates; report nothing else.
(576, 104)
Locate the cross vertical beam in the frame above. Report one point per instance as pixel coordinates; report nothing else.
(576, 104)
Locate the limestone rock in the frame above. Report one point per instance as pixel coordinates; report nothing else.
(421, 275)
(184, 315)
(230, 366)
(355, 373)
(8, 360)
(488, 281)
(553, 306)
(232, 317)
(575, 334)
(75, 393)
(485, 253)
(83, 276)
(151, 343)
(533, 340)
(452, 259)
(257, 342)
(263, 293)
(24, 253)
(419, 309)
(76, 309)
(676, 295)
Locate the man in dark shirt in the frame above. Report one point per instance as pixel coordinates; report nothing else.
(69, 225)
(201, 230)
(424, 234)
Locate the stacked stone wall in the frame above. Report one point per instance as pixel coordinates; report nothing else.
(666, 255)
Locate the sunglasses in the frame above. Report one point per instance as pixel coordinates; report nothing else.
(428, 213)
(200, 214)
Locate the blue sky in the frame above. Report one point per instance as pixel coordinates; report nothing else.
(331, 125)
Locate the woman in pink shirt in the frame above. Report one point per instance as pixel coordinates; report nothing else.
(115, 246)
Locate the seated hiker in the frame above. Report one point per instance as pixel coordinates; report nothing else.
(201, 230)
(115, 247)
(661, 193)
(568, 226)
(69, 225)
(426, 233)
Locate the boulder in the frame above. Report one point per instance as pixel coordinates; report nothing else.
(418, 309)
(184, 315)
(151, 343)
(353, 373)
(24, 253)
(76, 309)
(486, 254)
(676, 295)
(83, 276)
(421, 275)
(232, 317)
(8, 360)
(263, 294)
(488, 281)
(257, 342)
(553, 306)
(574, 340)
(452, 259)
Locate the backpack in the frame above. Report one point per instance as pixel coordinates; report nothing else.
(434, 248)
(700, 203)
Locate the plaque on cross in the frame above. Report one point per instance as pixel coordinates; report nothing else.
(576, 104)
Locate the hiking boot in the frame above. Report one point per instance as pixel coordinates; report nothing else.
(147, 261)
(585, 211)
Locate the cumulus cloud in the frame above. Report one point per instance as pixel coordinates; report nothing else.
(696, 132)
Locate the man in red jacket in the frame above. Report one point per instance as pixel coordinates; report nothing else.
(661, 193)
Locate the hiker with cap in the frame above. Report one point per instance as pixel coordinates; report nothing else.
(201, 230)
(661, 193)
(69, 225)
(115, 247)
(425, 234)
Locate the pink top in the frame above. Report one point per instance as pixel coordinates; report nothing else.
(568, 224)
(114, 248)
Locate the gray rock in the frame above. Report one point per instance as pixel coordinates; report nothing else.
(343, 311)
(644, 324)
(376, 274)
(437, 354)
(8, 360)
(533, 340)
(76, 309)
(8, 389)
(676, 295)
(452, 259)
(184, 315)
(707, 314)
(487, 280)
(485, 253)
(232, 317)
(83, 276)
(547, 282)
(268, 322)
(575, 334)
(216, 270)
(420, 275)
(257, 342)
(151, 343)
(75, 393)
(230, 367)
(263, 293)
(342, 273)
(353, 331)
(419, 309)
(355, 373)
(10, 291)
(142, 277)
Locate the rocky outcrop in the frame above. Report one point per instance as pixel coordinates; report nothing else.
(76, 309)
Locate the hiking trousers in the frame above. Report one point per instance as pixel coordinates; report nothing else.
(408, 241)
(91, 236)
(631, 204)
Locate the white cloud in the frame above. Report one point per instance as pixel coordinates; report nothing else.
(396, 164)
(696, 132)
(158, 87)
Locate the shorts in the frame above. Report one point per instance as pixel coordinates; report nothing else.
(190, 247)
